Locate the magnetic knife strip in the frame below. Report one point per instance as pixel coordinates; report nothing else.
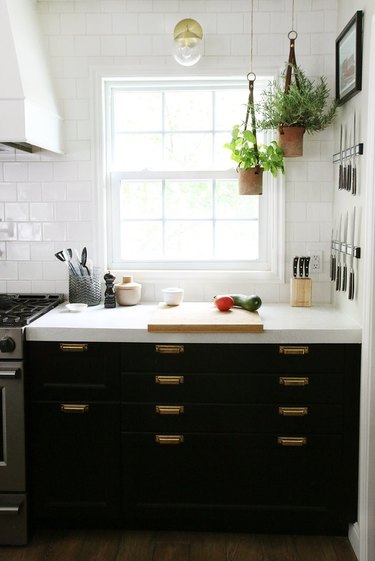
(347, 248)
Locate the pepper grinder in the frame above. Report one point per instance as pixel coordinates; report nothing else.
(109, 294)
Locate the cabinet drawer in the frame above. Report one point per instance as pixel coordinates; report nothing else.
(225, 358)
(74, 370)
(233, 469)
(224, 418)
(234, 387)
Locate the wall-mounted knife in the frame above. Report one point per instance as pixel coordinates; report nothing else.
(351, 273)
(333, 260)
(338, 269)
(348, 184)
(344, 247)
(354, 170)
(341, 171)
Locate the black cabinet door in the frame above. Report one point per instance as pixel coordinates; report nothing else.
(75, 463)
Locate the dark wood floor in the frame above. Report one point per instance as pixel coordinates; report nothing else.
(103, 545)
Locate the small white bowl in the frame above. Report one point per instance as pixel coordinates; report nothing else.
(173, 295)
(76, 307)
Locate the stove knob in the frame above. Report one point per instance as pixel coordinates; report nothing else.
(7, 345)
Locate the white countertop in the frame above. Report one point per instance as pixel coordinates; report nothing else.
(282, 324)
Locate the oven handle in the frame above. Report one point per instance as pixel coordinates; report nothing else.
(11, 509)
(8, 373)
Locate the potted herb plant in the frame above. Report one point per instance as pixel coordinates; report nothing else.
(304, 106)
(252, 159)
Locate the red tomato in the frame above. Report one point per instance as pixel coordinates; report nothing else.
(224, 303)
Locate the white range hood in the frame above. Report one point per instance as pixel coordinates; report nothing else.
(29, 115)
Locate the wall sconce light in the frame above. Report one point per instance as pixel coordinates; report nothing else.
(188, 37)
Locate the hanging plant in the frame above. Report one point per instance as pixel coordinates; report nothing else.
(294, 104)
(249, 155)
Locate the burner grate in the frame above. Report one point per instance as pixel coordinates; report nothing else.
(17, 310)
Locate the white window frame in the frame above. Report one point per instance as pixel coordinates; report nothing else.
(273, 187)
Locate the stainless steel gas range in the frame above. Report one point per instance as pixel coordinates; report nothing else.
(16, 312)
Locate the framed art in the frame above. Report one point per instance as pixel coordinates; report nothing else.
(349, 59)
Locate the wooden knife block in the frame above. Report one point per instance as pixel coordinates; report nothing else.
(300, 292)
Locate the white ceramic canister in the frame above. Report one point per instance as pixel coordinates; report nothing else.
(128, 293)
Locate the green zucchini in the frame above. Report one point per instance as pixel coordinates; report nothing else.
(249, 303)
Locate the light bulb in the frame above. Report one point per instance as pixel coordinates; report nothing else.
(187, 48)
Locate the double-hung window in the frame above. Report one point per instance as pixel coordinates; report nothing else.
(173, 199)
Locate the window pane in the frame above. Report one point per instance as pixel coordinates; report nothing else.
(188, 110)
(188, 151)
(188, 240)
(141, 199)
(236, 240)
(141, 240)
(137, 151)
(188, 199)
(230, 108)
(137, 111)
(229, 204)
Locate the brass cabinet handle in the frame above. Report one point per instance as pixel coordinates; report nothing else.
(294, 381)
(74, 407)
(293, 411)
(169, 438)
(169, 409)
(73, 347)
(291, 440)
(293, 350)
(169, 380)
(169, 349)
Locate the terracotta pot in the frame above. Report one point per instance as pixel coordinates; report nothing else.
(250, 181)
(291, 141)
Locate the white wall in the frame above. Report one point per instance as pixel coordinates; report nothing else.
(47, 202)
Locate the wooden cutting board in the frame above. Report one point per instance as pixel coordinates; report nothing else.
(192, 317)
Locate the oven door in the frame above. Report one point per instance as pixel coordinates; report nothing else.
(12, 428)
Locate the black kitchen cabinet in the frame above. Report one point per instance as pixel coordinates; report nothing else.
(74, 433)
(240, 437)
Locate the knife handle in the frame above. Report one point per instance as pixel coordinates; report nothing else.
(349, 178)
(340, 177)
(344, 278)
(307, 266)
(295, 264)
(333, 267)
(338, 278)
(354, 181)
(351, 285)
(301, 265)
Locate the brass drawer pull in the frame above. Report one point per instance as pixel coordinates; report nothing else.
(169, 380)
(292, 440)
(74, 407)
(293, 381)
(73, 347)
(169, 438)
(293, 411)
(169, 349)
(288, 350)
(169, 409)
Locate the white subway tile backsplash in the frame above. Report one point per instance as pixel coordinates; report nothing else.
(15, 171)
(47, 200)
(29, 191)
(42, 212)
(8, 270)
(18, 251)
(8, 192)
(16, 211)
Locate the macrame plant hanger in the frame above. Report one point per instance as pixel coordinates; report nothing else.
(253, 185)
(291, 138)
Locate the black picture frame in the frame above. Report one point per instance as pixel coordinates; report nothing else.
(349, 59)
